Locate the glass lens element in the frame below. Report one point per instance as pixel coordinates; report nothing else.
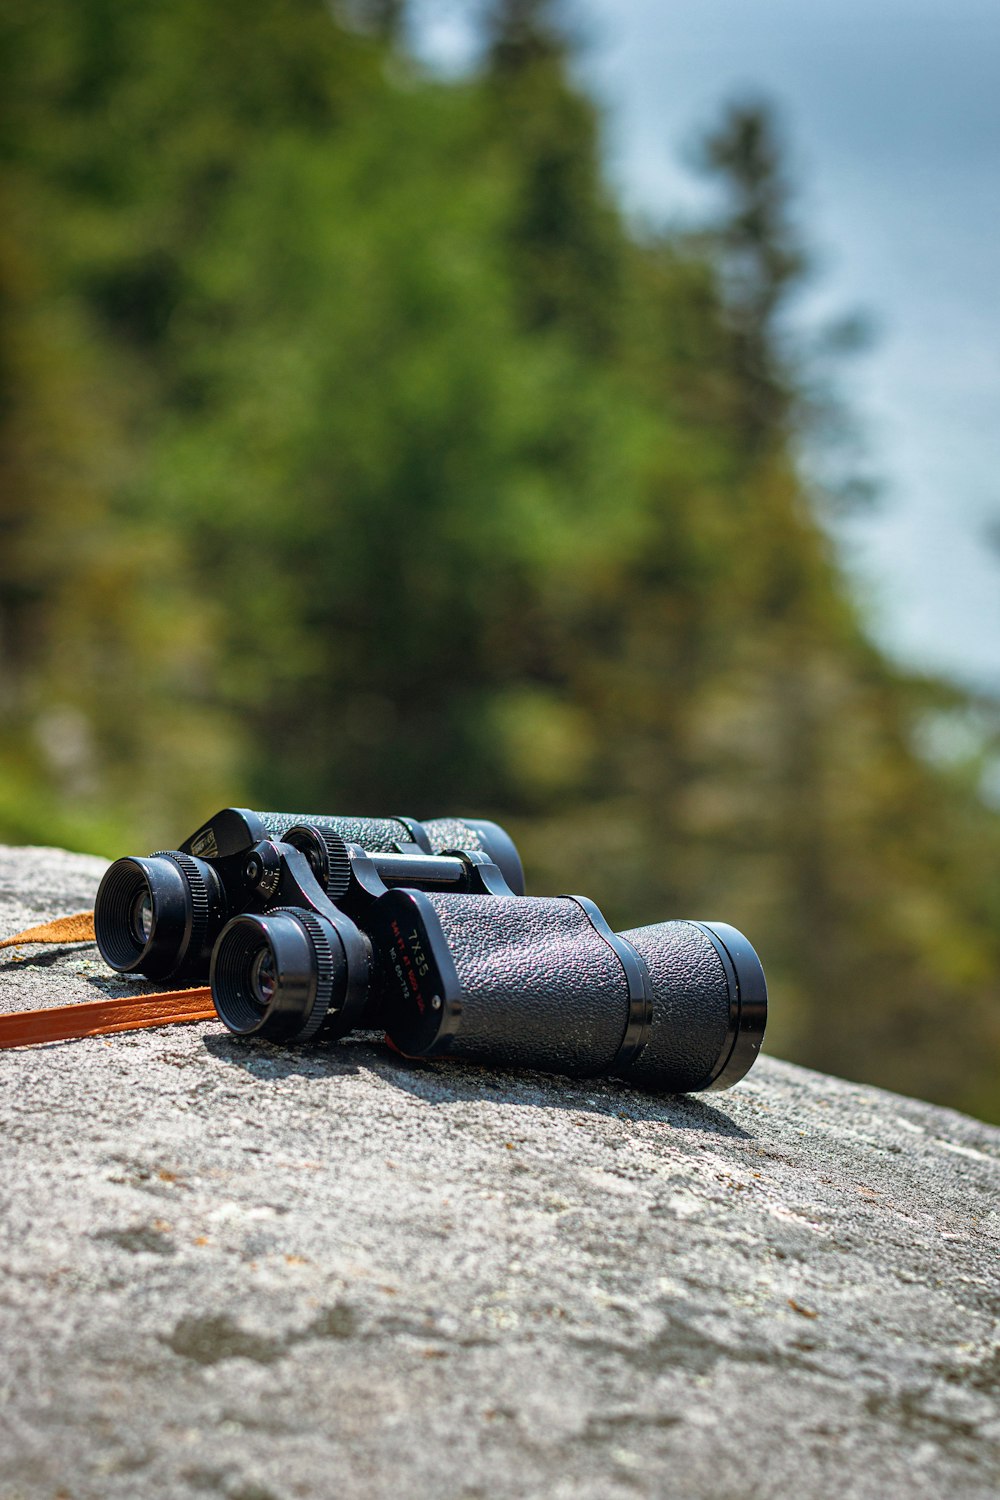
(263, 978)
(142, 918)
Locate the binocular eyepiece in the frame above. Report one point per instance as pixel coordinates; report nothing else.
(159, 916)
(291, 975)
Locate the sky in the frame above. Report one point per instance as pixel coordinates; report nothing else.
(892, 111)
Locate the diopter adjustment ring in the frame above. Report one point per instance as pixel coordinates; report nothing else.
(325, 970)
(337, 879)
(328, 855)
(201, 901)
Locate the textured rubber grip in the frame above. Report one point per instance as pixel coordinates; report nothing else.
(377, 835)
(447, 834)
(540, 988)
(637, 981)
(693, 1004)
(453, 833)
(528, 982)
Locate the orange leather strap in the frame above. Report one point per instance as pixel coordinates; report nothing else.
(76, 929)
(61, 1023)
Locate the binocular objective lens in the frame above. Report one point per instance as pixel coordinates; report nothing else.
(142, 918)
(263, 978)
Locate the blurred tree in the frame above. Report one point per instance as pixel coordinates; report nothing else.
(383, 17)
(761, 260)
(563, 233)
(521, 34)
(355, 452)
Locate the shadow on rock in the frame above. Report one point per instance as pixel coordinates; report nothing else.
(13, 958)
(444, 1083)
(269, 1063)
(449, 1083)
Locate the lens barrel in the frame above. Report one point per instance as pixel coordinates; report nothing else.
(291, 975)
(158, 916)
(709, 1006)
(543, 983)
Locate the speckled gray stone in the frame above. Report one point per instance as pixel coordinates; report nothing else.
(228, 1270)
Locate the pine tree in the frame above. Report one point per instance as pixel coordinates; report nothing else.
(761, 258)
(563, 234)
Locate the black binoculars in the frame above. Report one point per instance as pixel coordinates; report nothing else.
(311, 933)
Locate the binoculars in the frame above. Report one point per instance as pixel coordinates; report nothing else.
(309, 927)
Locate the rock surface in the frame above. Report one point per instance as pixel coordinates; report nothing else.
(230, 1270)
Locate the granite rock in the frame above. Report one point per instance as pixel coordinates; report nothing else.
(227, 1269)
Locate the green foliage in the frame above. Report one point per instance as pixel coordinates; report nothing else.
(355, 454)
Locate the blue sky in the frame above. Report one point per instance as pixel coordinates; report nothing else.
(893, 112)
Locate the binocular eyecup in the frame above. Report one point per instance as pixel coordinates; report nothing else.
(159, 916)
(291, 975)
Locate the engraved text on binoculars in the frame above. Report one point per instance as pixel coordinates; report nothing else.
(407, 969)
